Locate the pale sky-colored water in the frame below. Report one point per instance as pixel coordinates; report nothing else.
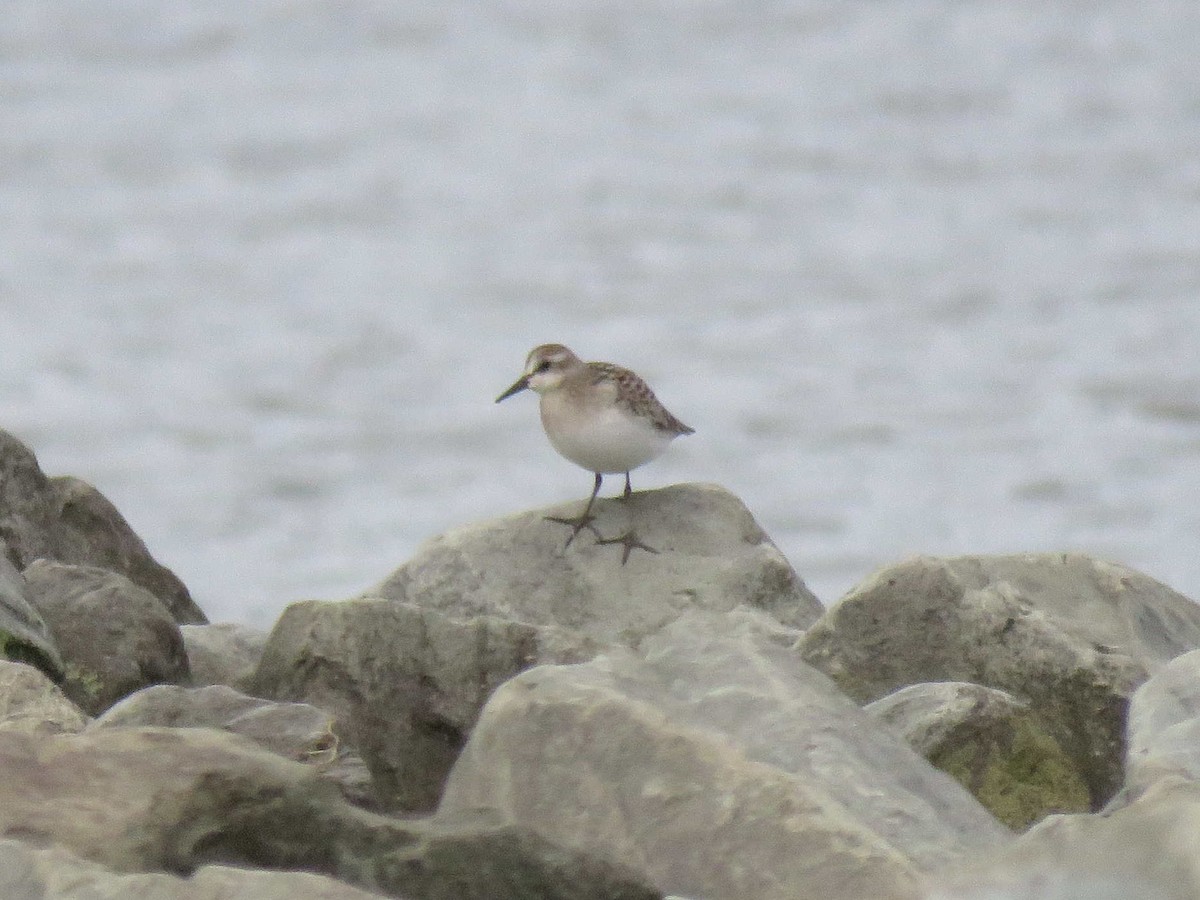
(924, 276)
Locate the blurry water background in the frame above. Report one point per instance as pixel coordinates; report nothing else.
(924, 276)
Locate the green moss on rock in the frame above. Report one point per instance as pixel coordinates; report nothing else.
(1017, 770)
(81, 685)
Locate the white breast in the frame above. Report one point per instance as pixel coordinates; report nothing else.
(609, 440)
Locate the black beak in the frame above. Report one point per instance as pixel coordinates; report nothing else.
(519, 385)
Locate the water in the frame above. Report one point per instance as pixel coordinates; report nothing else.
(924, 276)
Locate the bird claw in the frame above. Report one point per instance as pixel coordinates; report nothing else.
(630, 541)
(576, 525)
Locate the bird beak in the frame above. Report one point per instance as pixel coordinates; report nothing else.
(519, 385)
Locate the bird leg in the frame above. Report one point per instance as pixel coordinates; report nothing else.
(629, 540)
(584, 521)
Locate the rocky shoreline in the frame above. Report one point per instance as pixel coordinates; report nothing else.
(501, 718)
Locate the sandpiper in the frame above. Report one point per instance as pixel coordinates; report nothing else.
(599, 416)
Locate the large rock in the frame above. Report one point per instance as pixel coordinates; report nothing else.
(296, 731)
(31, 703)
(54, 873)
(404, 684)
(1071, 635)
(1164, 727)
(712, 555)
(27, 520)
(227, 653)
(92, 532)
(68, 520)
(172, 799)
(116, 637)
(722, 767)
(24, 635)
(992, 744)
(1147, 851)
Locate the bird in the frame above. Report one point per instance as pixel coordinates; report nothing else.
(600, 416)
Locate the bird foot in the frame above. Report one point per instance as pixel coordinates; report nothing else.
(630, 541)
(576, 525)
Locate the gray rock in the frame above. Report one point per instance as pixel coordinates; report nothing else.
(295, 731)
(227, 653)
(993, 745)
(92, 532)
(31, 703)
(719, 765)
(713, 555)
(1148, 851)
(24, 636)
(926, 715)
(1071, 635)
(68, 520)
(172, 799)
(26, 514)
(54, 873)
(115, 637)
(1164, 727)
(404, 684)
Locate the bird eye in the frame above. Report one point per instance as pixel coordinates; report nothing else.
(543, 366)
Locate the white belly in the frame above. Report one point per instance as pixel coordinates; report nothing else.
(609, 441)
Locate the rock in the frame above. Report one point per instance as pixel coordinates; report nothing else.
(26, 516)
(223, 654)
(31, 703)
(463, 860)
(1071, 635)
(53, 873)
(68, 520)
(992, 744)
(295, 731)
(926, 715)
(1164, 728)
(172, 799)
(115, 636)
(405, 684)
(719, 765)
(713, 555)
(1148, 851)
(24, 636)
(91, 532)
